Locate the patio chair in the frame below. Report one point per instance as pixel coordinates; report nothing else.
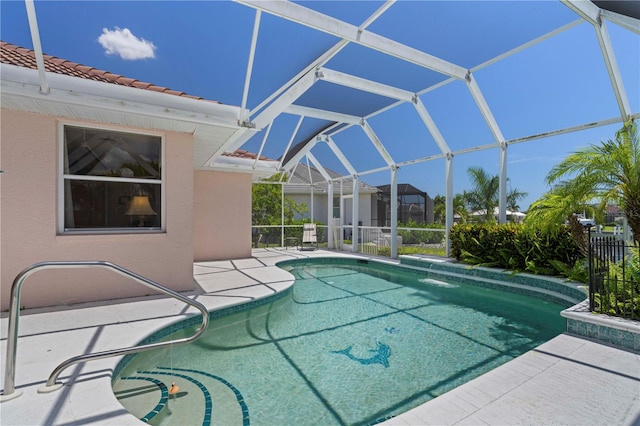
(309, 236)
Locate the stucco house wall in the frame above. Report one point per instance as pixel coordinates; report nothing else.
(365, 207)
(29, 196)
(222, 215)
(319, 205)
(364, 210)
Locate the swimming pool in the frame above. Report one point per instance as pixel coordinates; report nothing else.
(349, 343)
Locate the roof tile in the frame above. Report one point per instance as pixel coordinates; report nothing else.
(241, 153)
(140, 84)
(19, 56)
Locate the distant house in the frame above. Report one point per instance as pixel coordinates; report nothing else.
(413, 205)
(98, 166)
(612, 213)
(374, 202)
(299, 190)
(512, 216)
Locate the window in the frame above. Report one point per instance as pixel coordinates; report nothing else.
(111, 180)
(336, 207)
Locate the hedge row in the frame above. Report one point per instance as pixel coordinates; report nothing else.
(519, 248)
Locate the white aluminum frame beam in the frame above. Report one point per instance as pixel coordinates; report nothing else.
(431, 126)
(323, 114)
(484, 109)
(285, 100)
(268, 114)
(378, 13)
(578, 128)
(293, 136)
(499, 137)
(592, 14)
(587, 10)
(365, 85)
(624, 21)
(377, 143)
(330, 222)
(325, 57)
(524, 46)
(487, 63)
(394, 212)
(448, 202)
(37, 47)
(614, 71)
(310, 18)
(343, 159)
(291, 164)
(502, 185)
(320, 136)
(318, 166)
(247, 79)
(264, 141)
(355, 213)
(494, 146)
(311, 207)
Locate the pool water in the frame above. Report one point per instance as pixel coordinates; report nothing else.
(347, 345)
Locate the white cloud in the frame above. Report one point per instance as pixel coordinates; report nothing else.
(122, 42)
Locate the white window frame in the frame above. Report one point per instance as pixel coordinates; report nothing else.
(62, 177)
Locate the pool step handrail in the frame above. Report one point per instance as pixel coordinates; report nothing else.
(14, 316)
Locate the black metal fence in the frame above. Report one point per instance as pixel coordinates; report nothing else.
(614, 277)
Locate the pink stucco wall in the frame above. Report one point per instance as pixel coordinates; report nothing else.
(222, 215)
(28, 201)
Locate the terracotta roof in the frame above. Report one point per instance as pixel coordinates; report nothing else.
(19, 56)
(241, 153)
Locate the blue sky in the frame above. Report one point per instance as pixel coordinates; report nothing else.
(202, 48)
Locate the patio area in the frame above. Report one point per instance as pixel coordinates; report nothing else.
(567, 380)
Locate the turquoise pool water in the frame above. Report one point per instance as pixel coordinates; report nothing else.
(347, 345)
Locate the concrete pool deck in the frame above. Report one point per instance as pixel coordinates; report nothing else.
(568, 380)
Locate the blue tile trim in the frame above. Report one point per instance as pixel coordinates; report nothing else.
(208, 404)
(236, 392)
(164, 395)
(624, 339)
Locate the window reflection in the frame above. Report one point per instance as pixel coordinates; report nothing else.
(112, 180)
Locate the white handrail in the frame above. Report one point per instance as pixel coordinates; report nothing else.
(14, 315)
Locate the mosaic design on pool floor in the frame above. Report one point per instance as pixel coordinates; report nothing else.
(184, 373)
(382, 354)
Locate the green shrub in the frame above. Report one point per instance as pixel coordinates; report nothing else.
(421, 237)
(512, 246)
(621, 293)
(386, 251)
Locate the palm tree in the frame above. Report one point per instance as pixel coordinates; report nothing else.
(609, 172)
(485, 193)
(459, 207)
(513, 196)
(440, 208)
(558, 206)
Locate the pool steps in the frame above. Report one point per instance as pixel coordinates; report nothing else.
(155, 404)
